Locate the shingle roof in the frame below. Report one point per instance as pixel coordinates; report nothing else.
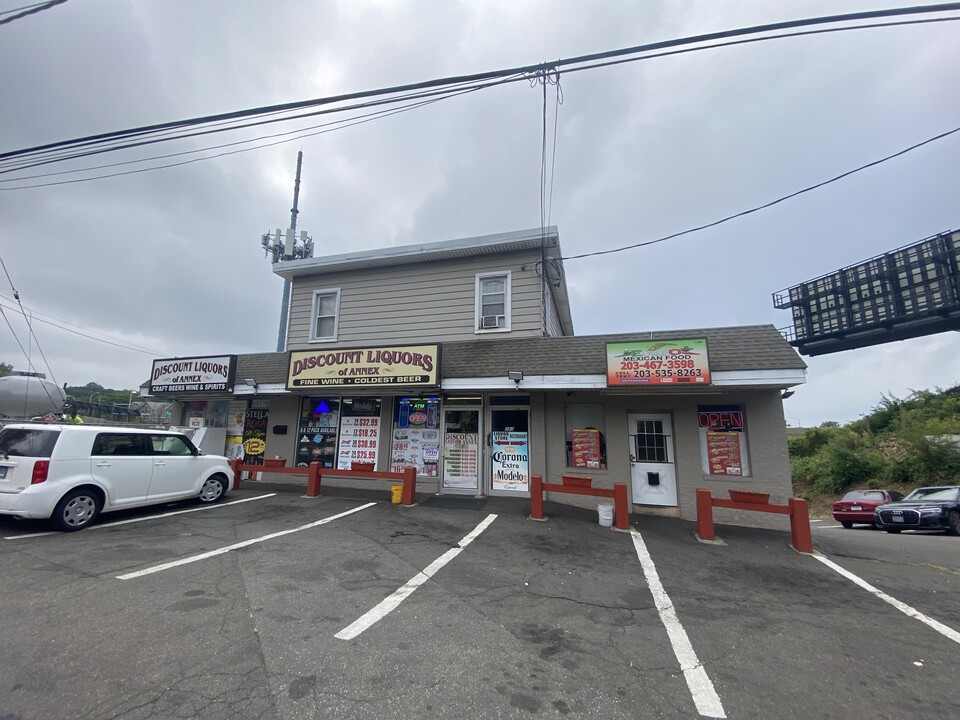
(749, 347)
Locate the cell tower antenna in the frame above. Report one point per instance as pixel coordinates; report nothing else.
(285, 247)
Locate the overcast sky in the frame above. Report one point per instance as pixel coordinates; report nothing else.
(170, 261)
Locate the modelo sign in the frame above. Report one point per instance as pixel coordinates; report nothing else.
(407, 365)
(193, 375)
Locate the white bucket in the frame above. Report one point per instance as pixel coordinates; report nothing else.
(605, 511)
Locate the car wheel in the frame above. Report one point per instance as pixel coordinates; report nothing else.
(846, 524)
(213, 490)
(892, 531)
(953, 523)
(76, 510)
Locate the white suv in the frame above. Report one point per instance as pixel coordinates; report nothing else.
(71, 473)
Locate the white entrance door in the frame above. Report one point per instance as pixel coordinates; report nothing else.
(652, 475)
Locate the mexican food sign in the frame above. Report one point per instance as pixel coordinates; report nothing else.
(406, 365)
(658, 362)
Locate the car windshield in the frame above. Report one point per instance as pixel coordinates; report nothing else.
(865, 495)
(27, 442)
(921, 494)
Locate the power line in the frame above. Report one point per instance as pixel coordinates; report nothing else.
(765, 205)
(62, 155)
(480, 77)
(116, 342)
(297, 135)
(29, 10)
(53, 158)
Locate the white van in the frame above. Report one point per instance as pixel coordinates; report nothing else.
(71, 473)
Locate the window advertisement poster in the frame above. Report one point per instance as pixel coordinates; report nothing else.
(660, 362)
(317, 431)
(416, 436)
(586, 448)
(236, 412)
(359, 432)
(723, 453)
(722, 440)
(255, 435)
(510, 462)
(461, 454)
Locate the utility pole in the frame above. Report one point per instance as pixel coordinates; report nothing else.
(288, 250)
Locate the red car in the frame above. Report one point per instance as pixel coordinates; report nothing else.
(857, 506)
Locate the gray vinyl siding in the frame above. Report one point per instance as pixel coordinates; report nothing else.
(554, 328)
(422, 303)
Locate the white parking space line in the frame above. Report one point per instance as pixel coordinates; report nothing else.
(391, 603)
(237, 546)
(701, 687)
(945, 630)
(146, 518)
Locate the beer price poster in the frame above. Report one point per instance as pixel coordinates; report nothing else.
(359, 441)
(659, 362)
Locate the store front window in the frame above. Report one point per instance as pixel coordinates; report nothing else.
(359, 439)
(586, 437)
(317, 431)
(416, 435)
(723, 440)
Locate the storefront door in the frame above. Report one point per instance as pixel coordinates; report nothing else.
(509, 450)
(461, 451)
(652, 474)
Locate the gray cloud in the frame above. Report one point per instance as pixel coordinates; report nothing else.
(171, 259)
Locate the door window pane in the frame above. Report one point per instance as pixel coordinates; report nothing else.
(651, 442)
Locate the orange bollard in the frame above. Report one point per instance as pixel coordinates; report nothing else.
(313, 479)
(409, 496)
(704, 514)
(621, 509)
(536, 497)
(800, 525)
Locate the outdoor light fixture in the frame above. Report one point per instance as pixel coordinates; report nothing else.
(786, 393)
(251, 382)
(515, 375)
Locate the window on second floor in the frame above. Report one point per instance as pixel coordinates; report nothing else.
(493, 302)
(326, 312)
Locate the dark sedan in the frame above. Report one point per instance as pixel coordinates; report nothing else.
(929, 508)
(858, 506)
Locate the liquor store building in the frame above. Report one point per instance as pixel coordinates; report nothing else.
(459, 358)
(479, 417)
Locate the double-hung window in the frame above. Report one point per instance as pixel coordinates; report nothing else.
(493, 302)
(325, 314)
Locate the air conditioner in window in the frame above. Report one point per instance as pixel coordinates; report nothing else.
(489, 322)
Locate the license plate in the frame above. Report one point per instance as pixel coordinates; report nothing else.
(897, 518)
(856, 507)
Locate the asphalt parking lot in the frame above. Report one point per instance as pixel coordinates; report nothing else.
(345, 606)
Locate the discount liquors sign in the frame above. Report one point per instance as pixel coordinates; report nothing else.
(193, 374)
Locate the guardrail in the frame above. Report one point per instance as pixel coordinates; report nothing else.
(796, 508)
(314, 472)
(618, 493)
